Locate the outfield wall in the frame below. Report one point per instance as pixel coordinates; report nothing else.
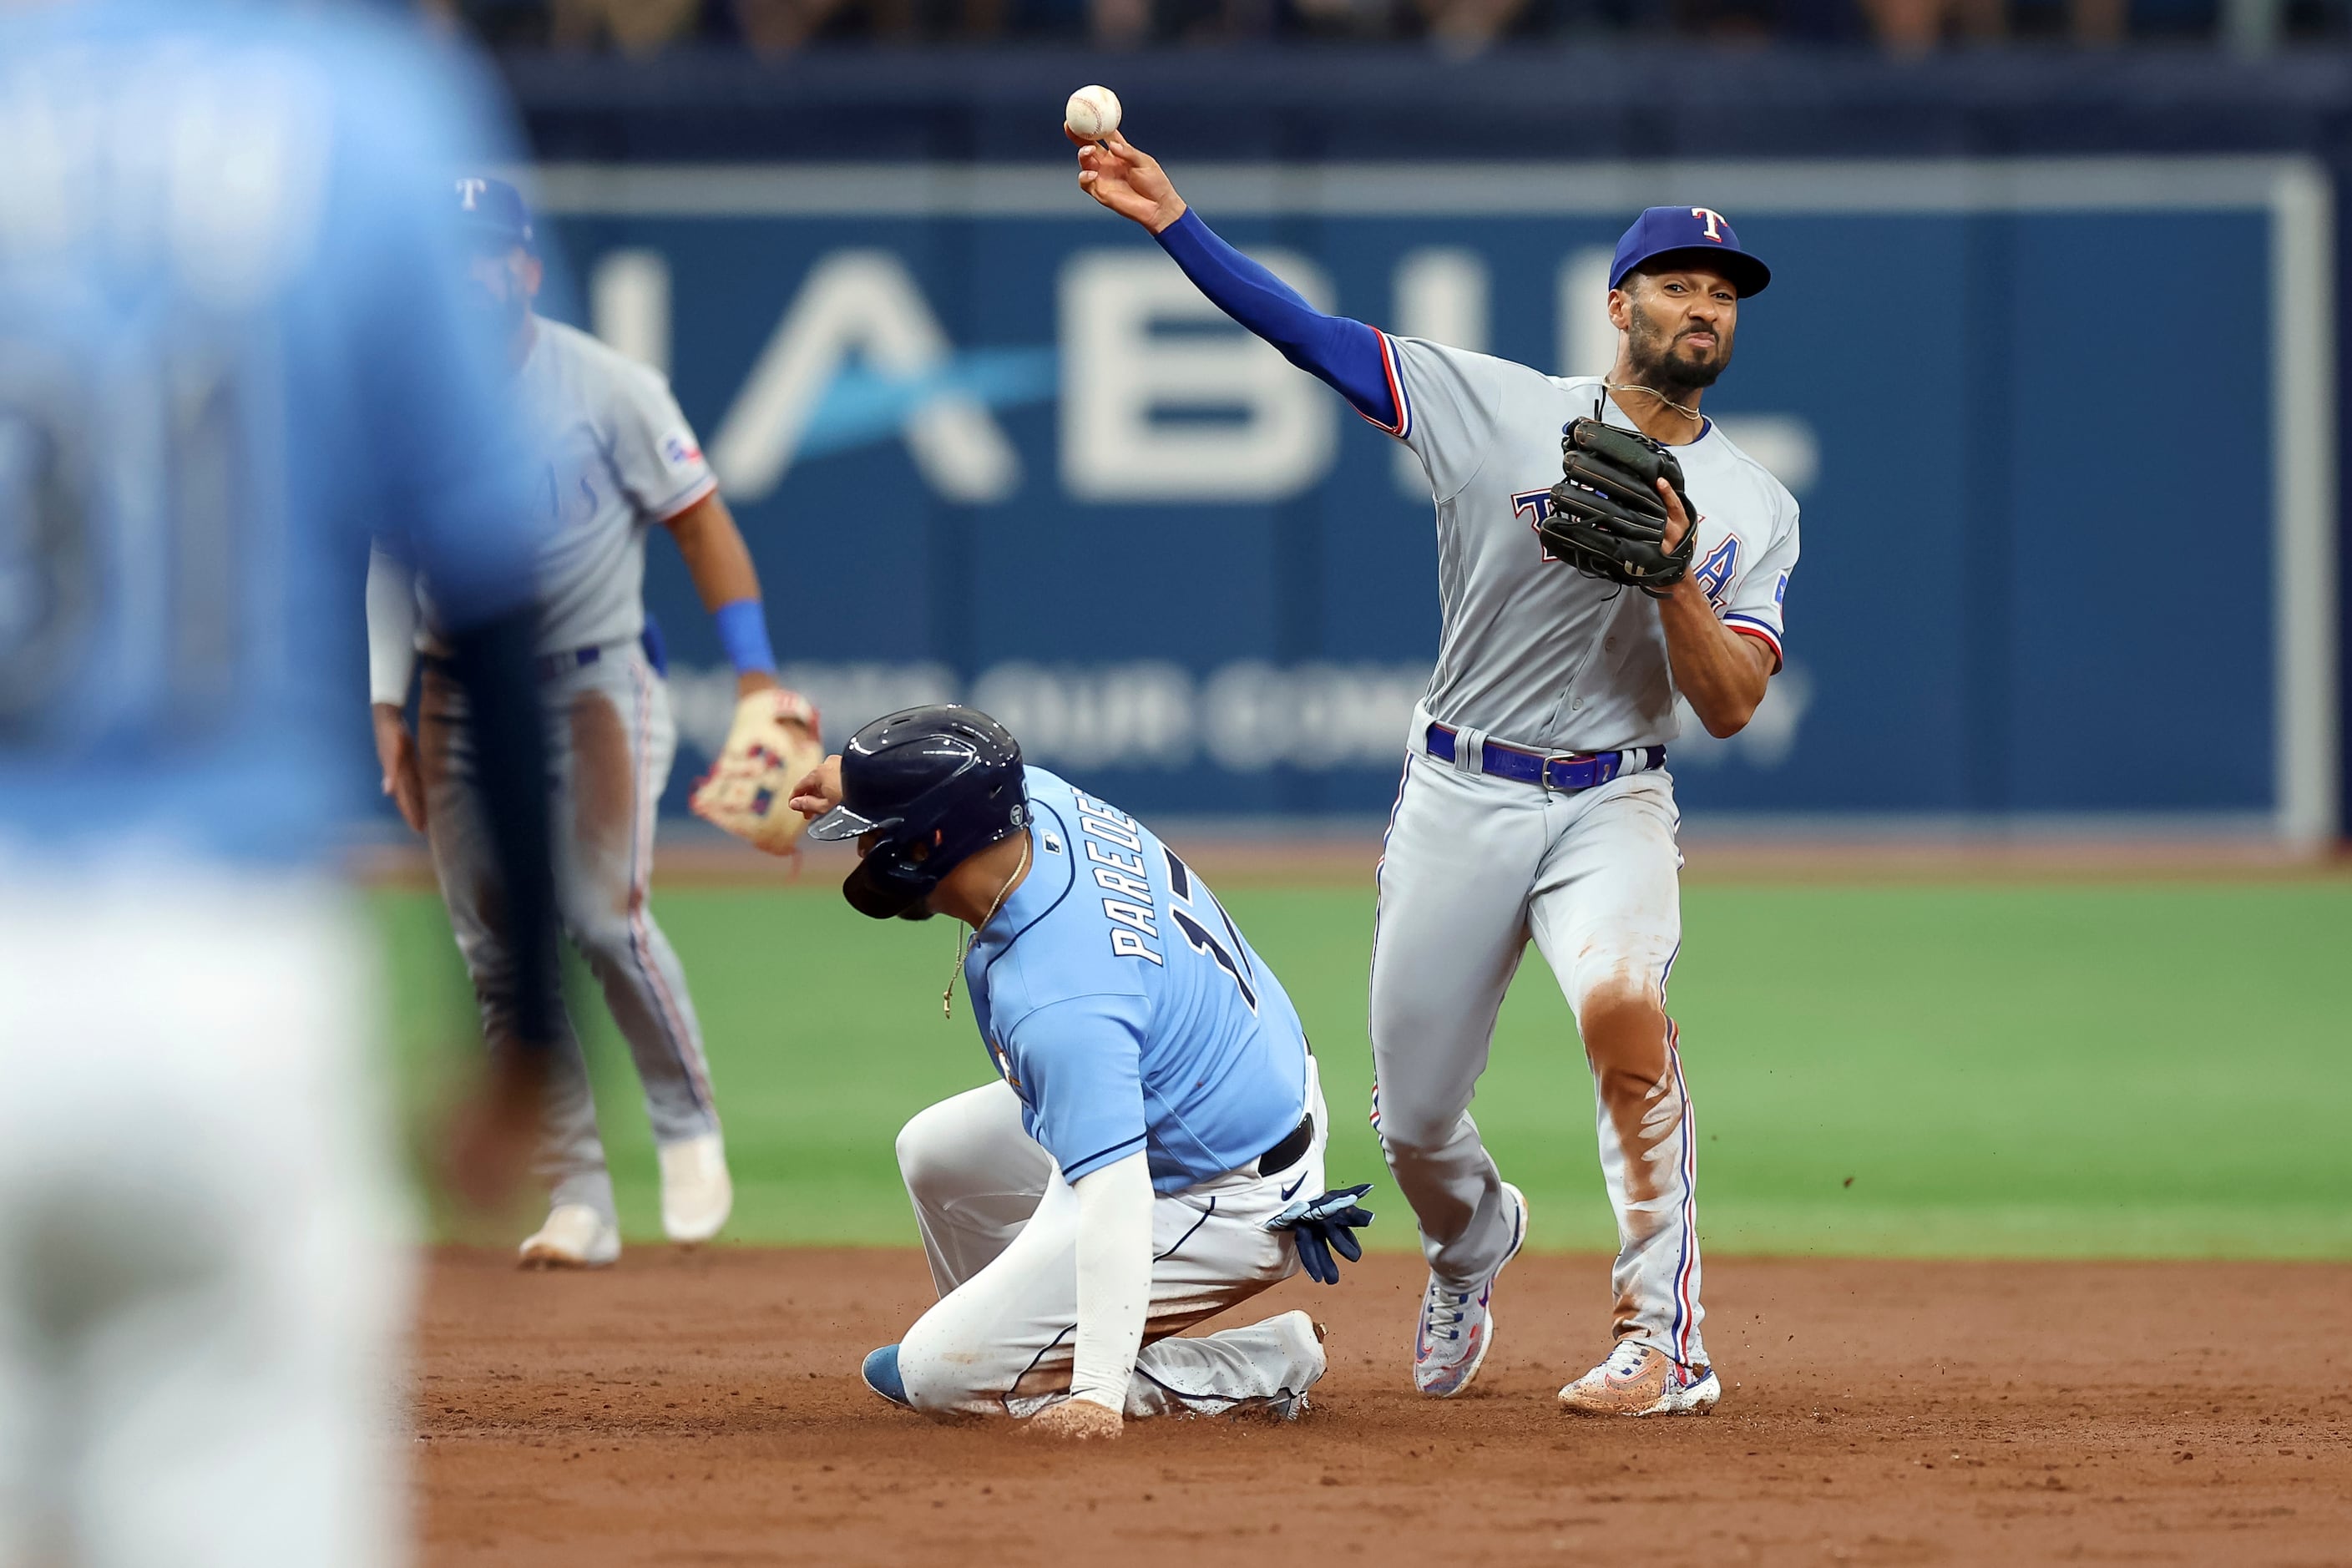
(988, 444)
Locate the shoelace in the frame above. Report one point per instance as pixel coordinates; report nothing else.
(1434, 1325)
(1625, 1360)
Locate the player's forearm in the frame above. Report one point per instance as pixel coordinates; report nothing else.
(1343, 352)
(1721, 672)
(716, 556)
(721, 565)
(1114, 1257)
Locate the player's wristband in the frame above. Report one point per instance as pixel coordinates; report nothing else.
(743, 633)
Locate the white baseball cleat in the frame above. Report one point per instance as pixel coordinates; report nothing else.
(1638, 1381)
(696, 1193)
(574, 1237)
(1456, 1326)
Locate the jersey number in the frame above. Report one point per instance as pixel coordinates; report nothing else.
(1233, 961)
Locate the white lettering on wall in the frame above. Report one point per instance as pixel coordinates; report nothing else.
(861, 302)
(1163, 399)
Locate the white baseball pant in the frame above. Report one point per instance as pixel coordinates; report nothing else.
(1474, 867)
(611, 736)
(203, 1283)
(1000, 1228)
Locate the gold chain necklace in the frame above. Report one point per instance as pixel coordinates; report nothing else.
(1692, 415)
(947, 997)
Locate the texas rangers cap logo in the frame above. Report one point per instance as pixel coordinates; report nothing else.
(1701, 235)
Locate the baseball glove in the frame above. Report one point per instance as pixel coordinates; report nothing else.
(749, 790)
(1607, 518)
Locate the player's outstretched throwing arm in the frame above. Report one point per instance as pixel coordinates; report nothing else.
(1349, 354)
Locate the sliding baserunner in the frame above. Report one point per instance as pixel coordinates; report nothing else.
(1156, 1126)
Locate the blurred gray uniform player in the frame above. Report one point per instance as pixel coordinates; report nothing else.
(231, 350)
(1535, 801)
(617, 457)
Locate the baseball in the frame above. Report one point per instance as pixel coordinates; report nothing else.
(1092, 112)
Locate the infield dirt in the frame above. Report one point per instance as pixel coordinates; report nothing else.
(705, 1409)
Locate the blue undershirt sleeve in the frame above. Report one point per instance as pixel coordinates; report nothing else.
(1347, 354)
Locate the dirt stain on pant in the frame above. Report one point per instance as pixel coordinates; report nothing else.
(603, 797)
(1626, 1044)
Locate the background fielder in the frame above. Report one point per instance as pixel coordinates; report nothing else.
(1535, 804)
(617, 456)
(1157, 1117)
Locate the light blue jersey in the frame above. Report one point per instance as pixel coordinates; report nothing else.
(234, 342)
(1119, 1001)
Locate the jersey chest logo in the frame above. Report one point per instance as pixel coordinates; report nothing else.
(1714, 574)
(1535, 506)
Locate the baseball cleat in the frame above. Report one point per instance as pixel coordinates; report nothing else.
(574, 1237)
(881, 1374)
(697, 1194)
(1457, 1326)
(1638, 1381)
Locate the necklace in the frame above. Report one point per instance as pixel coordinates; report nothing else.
(947, 997)
(1690, 413)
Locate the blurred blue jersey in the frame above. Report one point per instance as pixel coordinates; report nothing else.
(1121, 1004)
(234, 342)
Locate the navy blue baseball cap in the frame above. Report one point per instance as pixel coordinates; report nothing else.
(1697, 234)
(493, 212)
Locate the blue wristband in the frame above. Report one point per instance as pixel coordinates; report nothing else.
(743, 633)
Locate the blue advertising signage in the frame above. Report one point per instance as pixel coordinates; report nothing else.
(987, 443)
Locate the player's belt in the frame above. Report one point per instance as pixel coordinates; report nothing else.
(1291, 1149)
(1573, 771)
(547, 665)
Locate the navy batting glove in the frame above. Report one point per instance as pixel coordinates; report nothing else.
(1325, 1224)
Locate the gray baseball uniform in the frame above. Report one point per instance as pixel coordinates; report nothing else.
(619, 457)
(1534, 655)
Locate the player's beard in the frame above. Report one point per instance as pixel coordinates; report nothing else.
(1665, 364)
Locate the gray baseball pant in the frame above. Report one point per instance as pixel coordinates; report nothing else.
(1474, 867)
(610, 739)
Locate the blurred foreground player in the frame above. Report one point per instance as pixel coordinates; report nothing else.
(613, 457)
(230, 350)
(1157, 1124)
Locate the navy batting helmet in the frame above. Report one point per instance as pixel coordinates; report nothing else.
(936, 785)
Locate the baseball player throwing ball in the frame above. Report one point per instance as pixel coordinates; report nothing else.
(1602, 546)
(617, 457)
(1151, 1153)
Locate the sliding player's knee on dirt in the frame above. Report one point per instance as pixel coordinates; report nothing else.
(948, 1369)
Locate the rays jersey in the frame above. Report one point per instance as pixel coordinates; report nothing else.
(231, 346)
(1531, 650)
(614, 455)
(1121, 1003)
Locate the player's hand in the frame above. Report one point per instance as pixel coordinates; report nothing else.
(1678, 521)
(1128, 180)
(403, 780)
(1076, 1420)
(820, 791)
(1324, 1224)
(752, 680)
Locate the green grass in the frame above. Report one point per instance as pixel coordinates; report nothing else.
(2144, 1069)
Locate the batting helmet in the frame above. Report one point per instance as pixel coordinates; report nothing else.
(936, 785)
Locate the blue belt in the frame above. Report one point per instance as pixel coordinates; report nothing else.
(551, 665)
(1575, 771)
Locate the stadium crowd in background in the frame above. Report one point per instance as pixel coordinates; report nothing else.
(1459, 26)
